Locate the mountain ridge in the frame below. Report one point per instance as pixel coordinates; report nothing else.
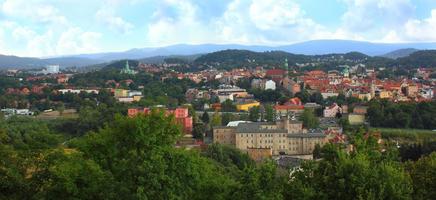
(313, 47)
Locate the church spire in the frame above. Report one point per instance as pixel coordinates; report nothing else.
(286, 67)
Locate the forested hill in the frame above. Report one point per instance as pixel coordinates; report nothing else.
(425, 58)
(236, 58)
(245, 57)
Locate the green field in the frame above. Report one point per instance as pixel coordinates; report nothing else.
(406, 134)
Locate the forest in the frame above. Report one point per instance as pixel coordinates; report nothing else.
(135, 158)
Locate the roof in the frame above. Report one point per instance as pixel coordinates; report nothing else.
(273, 72)
(307, 135)
(255, 128)
(289, 107)
(236, 123)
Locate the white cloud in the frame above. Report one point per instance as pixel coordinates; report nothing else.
(75, 40)
(243, 21)
(48, 33)
(107, 17)
(367, 15)
(33, 10)
(422, 30)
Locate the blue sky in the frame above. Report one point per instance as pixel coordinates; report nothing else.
(64, 27)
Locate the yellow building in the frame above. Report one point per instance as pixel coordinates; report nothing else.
(247, 106)
(356, 119)
(386, 94)
(258, 138)
(121, 93)
(137, 98)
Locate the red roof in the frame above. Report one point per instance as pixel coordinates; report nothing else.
(275, 72)
(288, 107)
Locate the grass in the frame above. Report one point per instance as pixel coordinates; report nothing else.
(418, 135)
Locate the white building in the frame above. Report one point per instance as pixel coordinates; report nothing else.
(270, 85)
(52, 69)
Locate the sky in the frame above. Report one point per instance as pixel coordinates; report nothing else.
(41, 28)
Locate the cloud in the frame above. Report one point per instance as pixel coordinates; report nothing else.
(242, 21)
(422, 30)
(46, 31)
(75, 40)
(33, 10)
(107, 17)
(367, 15)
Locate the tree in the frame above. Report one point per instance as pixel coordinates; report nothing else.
(226, 118)
(309, 119)
(254, 114)
(61, 108)
(198, 131)
(205, 117)
(423, 173)
(269, 113)
(216, 119)
(362, 174)
(228, 106)
(138, 152)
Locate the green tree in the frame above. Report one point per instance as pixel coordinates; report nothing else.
(228, 106)
(216, 119)
(269, 113)
(198, 131)
(309, 119)
(226, 118)
(205, 117)
(254, 114)
(423, 173)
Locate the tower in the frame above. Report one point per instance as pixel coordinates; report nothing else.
(372, 88)
(286, 67)
(127, 66)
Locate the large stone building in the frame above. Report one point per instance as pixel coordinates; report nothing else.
(283, 137)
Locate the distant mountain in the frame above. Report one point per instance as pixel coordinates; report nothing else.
(20, 62)
(399, 53)
(419, 59)
(27, 62)
(314, 47)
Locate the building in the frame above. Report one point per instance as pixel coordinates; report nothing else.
(52, 69)
(332, 110)
(285, 136)
(245, 106)
(356, 119)
(270, 85)
(127, 70)
(181, 116)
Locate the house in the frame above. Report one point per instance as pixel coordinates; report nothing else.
(355, 119)
(245, 106)
(275, 74)
(181, 116)
(270, 85)
(284, 136)
(360, 110)
(332, 111)
(121, 93)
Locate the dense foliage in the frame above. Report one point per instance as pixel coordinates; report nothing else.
(135, 158)
(402, 115)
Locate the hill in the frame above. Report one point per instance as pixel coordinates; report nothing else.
(313, 47)
(231, 58)
(28, 62)
(399, 53)
(426, 58)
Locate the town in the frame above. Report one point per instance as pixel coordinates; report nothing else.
(211, 99)
(281, 111)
